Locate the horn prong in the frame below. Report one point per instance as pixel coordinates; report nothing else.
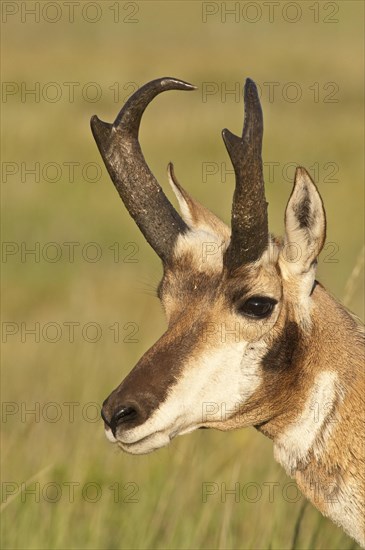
(249, 220)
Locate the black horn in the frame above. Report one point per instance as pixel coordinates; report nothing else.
(249, 210)
(142, 195)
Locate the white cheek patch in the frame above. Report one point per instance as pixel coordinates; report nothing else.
(210, 389)
(293, 446)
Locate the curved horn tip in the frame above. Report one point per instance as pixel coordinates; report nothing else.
(182, 84)
(130, 115)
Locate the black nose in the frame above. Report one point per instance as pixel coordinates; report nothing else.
(123, 415)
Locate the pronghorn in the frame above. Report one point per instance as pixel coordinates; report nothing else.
(252, 339)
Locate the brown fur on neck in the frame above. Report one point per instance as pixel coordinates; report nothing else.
(333, 474)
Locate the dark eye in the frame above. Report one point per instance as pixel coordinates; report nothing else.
(257, 307)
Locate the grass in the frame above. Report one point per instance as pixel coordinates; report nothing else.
(49, 450)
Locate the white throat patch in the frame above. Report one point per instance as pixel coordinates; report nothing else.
(293, 446)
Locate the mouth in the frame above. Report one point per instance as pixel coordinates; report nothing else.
(142, 446)
(146, 444)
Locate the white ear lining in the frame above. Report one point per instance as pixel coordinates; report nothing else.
(305, 225)
(197, 216)
(184, 207)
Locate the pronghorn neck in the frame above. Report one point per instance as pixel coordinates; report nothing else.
(250, 340)
(321, 443)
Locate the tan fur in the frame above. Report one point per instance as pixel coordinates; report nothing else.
(333, 474)
(296, 376)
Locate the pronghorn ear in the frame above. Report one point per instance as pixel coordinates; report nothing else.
(194, 214)
(305, 225)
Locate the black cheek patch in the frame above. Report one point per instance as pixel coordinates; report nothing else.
(284, 348)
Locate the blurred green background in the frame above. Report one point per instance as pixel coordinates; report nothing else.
(87, 61)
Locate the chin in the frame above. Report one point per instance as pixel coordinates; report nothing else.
(142, 446)
(147, 444)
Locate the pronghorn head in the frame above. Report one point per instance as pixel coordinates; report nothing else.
(236, 300)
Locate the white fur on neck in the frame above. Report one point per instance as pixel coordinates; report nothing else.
(296, 442)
